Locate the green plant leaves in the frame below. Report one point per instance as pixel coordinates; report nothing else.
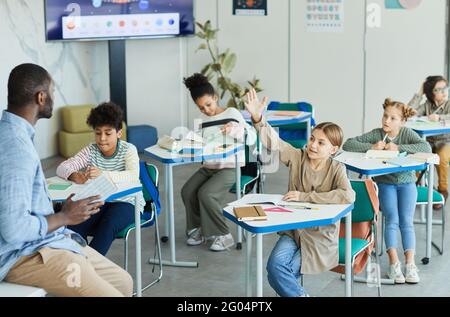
(221, 66)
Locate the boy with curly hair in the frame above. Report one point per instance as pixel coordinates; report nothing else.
(117, 159)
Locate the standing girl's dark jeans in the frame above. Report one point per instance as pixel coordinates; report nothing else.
(105, 225)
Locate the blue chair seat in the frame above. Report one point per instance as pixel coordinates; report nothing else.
(422, 196)
(146, 216)
(357, 246)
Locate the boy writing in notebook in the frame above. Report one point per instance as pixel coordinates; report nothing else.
(119, 161)
(313, 177)
(397, 192)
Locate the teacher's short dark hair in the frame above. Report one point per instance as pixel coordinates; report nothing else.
(24, 82)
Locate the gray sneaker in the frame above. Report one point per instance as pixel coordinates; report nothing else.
(412, 276)
(222, 243)
(395, 273)
(195, 237)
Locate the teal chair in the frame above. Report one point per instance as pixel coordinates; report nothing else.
(363, 211)
(148, 173)
(438, 198)
(294, 134)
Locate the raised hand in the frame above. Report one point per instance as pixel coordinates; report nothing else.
(254, 106)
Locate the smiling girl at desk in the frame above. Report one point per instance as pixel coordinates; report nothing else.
(313, 177)
(397, 192)
(205, 192)
(436, 108)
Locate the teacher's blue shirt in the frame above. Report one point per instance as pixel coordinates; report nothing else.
(24, 197)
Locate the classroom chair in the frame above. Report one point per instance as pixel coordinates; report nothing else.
(294, 134)
(364, 231)
(149, 177)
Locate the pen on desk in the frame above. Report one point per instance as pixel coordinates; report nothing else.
(392, 163)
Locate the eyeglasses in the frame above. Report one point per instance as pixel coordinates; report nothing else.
(441, 90)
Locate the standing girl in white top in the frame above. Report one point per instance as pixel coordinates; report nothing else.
(205, 192)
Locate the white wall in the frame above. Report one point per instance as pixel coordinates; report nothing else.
(408, 47)
(326, 69)
(80, 69)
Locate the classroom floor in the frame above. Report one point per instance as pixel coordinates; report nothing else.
(222, 274)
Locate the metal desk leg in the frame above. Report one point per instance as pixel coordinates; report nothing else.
(238, 196)
(137, 222)
(308, 129)
(169, 193)
(167, 180)
(248, 265)
(348, 259)
(259, 265)
(427, 257)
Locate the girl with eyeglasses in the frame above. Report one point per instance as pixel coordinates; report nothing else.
(436, 108)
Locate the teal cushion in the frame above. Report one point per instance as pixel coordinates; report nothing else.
(422, 196)
(298, 144)
(123, 233)
(245, 179)
(357, 246)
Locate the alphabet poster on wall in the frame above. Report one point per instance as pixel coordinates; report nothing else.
(325, 15)
(250, 7)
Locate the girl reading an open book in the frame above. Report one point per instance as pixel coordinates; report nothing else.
(397, 191)
(117, 159)
(313, 177)
(205, 192)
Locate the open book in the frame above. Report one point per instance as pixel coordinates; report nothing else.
(267, 199)
(101, 185)
(249, 213)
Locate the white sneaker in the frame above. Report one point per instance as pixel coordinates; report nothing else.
(222, 243)
(395, 273)
(412, 276)
(195, 237)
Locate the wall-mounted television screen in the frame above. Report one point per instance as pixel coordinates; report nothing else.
(117, 19)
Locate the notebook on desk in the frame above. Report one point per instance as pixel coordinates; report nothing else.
(381, 154)
(250, 213)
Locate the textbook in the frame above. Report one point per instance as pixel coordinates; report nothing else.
(267, 199)
(101, 185)
(249, 213)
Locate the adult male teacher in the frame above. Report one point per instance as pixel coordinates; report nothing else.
(36, 248)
